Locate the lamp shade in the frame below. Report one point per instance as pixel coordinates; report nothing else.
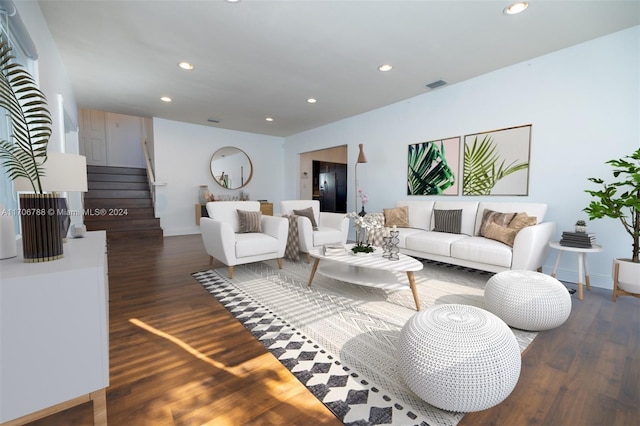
(62, 173)
(361, 157)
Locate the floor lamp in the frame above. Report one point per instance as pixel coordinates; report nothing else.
(361, 159)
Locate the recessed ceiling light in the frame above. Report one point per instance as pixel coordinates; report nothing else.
(516, 8)
(165, 99)
(185, 65)
(312, 100)
(269, 118)
(385, 67)
(233, 1)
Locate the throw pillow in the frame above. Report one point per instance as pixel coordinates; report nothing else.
(308, 212)
(521, 220)
(500, 233)
(490, 216)
(398, 216)
(250, 221)
(449, 221)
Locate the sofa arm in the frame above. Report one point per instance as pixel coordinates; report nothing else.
(531, 246)
(219, 240)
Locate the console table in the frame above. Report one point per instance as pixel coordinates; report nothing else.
(54, 332)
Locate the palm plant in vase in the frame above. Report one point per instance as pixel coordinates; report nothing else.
(620, 200)
(25, 155)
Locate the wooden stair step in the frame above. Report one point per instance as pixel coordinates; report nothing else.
(117, 203)
(110, 177)
(116, 170)
(119, 213)
(125, 186)
(117, 193)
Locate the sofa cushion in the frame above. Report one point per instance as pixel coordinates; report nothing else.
(308, 212)
(491, 216)
(448, 221)
(249, 221)
(420, 213)
(255, 244)
(397, 216)
(438, 243)
(482, 250)
(500, 233)
(324, 235)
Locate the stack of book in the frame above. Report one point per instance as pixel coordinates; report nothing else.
(333, 250)
(578, 239)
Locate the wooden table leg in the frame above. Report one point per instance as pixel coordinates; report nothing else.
(99, 407)
(313, 270)
(586, 272)
(580, 276)
(414, 290)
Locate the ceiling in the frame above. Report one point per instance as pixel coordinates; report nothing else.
(261, 58)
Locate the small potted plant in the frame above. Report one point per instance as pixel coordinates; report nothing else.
(620, 200)
(581, 226)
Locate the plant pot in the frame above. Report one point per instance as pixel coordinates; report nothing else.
(41, 227)
(581, 228)
(626, 278)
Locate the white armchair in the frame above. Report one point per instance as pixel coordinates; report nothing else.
(332, 228)
(224, 241)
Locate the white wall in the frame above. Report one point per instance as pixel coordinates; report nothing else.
(583, 103)
(182, 156)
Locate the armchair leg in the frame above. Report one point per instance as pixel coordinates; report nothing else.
(230, 272)
(210, 260)
(279, 260)
(308, 258)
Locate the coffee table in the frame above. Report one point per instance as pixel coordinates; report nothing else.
(371, 270)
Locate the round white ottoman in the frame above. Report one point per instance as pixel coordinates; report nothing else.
(528, 300)
(459, 357)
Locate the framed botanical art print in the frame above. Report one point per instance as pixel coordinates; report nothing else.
(433, 167)
(497, 162)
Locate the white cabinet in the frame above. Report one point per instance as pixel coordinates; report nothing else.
(54, 332)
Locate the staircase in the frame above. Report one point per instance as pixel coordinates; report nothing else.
(119, 201)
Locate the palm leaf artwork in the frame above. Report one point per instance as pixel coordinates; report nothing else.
(483, 168)
(428, 171)
(30, 121)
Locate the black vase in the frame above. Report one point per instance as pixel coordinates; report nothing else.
(362, 212)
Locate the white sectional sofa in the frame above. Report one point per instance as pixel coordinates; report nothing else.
(468, 248)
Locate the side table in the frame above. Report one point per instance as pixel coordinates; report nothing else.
(583, 269)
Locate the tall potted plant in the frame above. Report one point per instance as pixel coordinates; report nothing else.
(620, 200)
(25, 156)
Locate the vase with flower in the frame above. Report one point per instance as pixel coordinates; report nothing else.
(363, 199)
(362, 225)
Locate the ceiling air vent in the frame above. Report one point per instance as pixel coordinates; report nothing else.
(436, 84)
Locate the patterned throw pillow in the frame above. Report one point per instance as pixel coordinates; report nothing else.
(449, 221)
(398, 216)
(489, 216)
(308, 212)
(500, 233)
(522, 220)
(250, 221)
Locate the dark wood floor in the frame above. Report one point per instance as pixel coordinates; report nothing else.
(178, 358)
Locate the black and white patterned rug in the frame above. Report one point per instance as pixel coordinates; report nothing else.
(338, 338)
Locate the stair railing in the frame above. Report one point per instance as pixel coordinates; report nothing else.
(150, 174)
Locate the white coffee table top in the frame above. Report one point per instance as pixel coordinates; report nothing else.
(370, 261)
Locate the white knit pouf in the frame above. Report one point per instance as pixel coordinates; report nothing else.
(459, 357)
(528, 300)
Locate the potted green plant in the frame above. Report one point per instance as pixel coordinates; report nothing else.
(25, 155)
(581, 226)
(620, 199)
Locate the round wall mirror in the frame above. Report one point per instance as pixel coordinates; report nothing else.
(231, 167)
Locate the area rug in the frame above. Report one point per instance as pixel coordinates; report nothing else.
(339, 339)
